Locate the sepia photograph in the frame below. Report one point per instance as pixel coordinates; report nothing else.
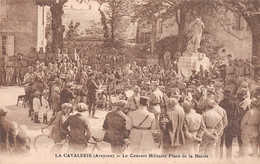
(129, 81)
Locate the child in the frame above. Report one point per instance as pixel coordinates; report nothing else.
(45, 106)
(36, 106)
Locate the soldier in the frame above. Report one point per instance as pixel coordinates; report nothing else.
(249, 70)
(50, 57)
(75, 56)
(24, 67)
(155, 100)
(230, 72)
(2, 71)
(214, 127)
(58, 57)
(32, 57)
(141, 124)
(250, 126)
(7, 137)
(92, 95)
(9, 71)
(223, 114)
(17, 68)
(79, 132)
(29, 76)
(133, 102)
(240, 69)
(65, 56)
(41, 57)
(193, 128)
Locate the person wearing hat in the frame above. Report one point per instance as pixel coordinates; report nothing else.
(92, 95)
(29, 76)
(133, 101)
(67, 95)
(193, 128)
(141, 124)
(57, 133)
(214, 128)
(155, 100)
(250, 124)
(176, 115)
(55, 100)
(7, 133)
(37, 106)
(115, 130)
(9, 69)
(78, 132)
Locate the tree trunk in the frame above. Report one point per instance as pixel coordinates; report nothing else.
(181, 28)
(153, 37)
(57, 27)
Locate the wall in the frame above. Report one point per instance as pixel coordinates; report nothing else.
(20, 22)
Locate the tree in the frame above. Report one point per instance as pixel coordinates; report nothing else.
(72, 34)
(56, 8)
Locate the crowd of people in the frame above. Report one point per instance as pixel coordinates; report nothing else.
(194, 115)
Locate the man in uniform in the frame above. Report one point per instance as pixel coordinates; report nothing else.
(230, 71)
(9, 70)
(32, 57)
(17, 66)
(24, 67)
(41, 57)
(7, 131)
(214, 127)
(92, 95)
(29, 76)
(141, 124)
(2, 70)
(249, 70)
(133, 102)
(250, 126)
(50, 57)
(193, 128)
(155, 99)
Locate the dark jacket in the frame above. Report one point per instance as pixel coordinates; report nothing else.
(114, 125)
(79, 129)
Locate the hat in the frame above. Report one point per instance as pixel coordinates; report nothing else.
(187, 105)
(156, 83)
(172, 102)
(144, 100)
(37, 93)
(68, 85)
(66, 105)
(3, 110)
(136, 88)
(121, 103)
(56, 89)
(82, 107)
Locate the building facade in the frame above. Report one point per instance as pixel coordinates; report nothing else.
(22, 26)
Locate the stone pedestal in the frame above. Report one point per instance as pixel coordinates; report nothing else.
(192, 61)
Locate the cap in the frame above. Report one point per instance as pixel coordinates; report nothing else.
(56, 89)
(3, 110)
(37, 93)
(156, 83)
(144, 100)
(187, 105)
(66, 105)
(82, 107)
(136, 88)
(69, 85)
(172, 102)
(121, 103)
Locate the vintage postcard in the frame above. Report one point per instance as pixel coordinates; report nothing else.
(129, 81)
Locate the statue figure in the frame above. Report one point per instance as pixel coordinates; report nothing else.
(195, 33)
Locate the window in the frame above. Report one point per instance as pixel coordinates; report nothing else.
(4, 39)
(144, 37)
(238, 23)
(147, 36)
(160, 26)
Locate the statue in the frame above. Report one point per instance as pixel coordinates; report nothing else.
(195, 33)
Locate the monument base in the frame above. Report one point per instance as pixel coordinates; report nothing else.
(190, 62)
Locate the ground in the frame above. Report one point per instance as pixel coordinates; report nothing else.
(8, 98)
